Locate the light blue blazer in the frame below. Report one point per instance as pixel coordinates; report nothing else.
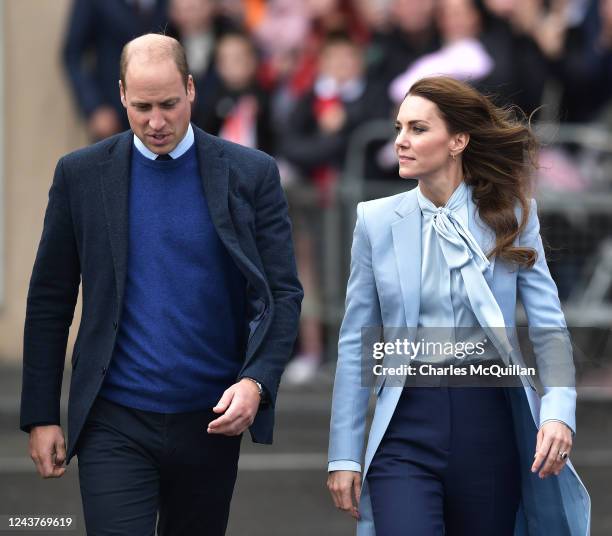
(384, 290)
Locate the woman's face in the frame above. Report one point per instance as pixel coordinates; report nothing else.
(457, 19)
(423, 143)
(413, 16)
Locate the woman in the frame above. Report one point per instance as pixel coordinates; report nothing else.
(460, 460)
(479, 47)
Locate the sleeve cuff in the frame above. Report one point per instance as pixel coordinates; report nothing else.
(28, 427)
(344, 465)
(558, 420)
(559, 404)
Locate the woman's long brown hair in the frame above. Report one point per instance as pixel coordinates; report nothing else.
(497, 160)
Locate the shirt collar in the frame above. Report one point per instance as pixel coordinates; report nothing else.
(457, 203)
(183, 146)
(457, 199)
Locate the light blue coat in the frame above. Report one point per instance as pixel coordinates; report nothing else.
(384, 290)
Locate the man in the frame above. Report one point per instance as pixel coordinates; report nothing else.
(190, 310)
(96, 32)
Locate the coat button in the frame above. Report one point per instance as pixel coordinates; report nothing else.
(103, 371)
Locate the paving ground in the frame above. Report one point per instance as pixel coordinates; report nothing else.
(280, 489)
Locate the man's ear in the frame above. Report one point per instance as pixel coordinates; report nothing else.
(190, 89)
(122, 94)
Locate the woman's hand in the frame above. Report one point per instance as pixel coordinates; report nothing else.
(554, 439)
(345, 486)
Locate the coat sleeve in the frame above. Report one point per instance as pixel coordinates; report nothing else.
(52, 296)
(78, 41)
(351, 394)
(275, 247)
(547, 331)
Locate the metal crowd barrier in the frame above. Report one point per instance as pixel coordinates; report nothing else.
(589, 304)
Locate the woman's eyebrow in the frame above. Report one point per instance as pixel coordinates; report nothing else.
(413, 121)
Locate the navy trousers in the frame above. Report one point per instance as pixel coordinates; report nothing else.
(139, 469)
(447, 465)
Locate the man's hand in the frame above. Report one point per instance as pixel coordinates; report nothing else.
(48, 450)
(345, 489)
(239, 405)
(554, 438)
(103, 122)
(332, 119)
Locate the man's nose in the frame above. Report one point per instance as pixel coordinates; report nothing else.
(156, 121)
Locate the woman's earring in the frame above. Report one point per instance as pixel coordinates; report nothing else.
(454, 156)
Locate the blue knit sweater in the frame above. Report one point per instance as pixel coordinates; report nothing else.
(181, 336)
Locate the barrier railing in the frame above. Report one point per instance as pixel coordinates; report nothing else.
(586, 307)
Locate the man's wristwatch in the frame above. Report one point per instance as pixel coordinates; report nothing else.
(262, 392)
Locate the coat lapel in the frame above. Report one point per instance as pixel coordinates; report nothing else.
(115, 183)
(407, 247)
(214, 171)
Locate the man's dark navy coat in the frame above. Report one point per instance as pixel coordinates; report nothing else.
(85, 237)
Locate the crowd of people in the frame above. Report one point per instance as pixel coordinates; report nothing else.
(295, 78)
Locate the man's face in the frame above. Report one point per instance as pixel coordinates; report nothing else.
(191, 16)
(342, 62)
(236, 62)
(158, 106)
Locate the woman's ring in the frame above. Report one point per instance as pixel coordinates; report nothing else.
(563, 455)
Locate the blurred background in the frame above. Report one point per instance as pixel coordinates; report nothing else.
(316, 83)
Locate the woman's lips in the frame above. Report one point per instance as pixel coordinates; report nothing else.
(406, 159)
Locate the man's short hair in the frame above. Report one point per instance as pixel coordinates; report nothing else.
(173, 50)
